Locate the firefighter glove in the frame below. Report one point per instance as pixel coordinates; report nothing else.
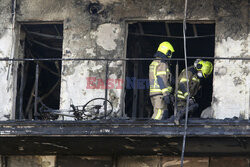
(191, 101)
(167, 99)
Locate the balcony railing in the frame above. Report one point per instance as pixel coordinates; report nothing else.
(78, 112)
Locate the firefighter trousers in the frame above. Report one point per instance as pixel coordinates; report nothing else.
(160, 108)
(181, 110)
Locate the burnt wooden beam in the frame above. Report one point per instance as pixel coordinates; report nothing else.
(195, 30)
(44, 96)
(41, 64)
(28, 109)
(140, 28)
(36, 90)
(167, 29)
(45, 35)
(48, 69)
(57, 67)
(57, 31)
(21, 90)
(45, 45)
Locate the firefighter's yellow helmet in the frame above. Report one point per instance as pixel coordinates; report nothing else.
(166, 48)
(206, 67)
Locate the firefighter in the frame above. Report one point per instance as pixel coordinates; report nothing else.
(159, 76)
(200, 69)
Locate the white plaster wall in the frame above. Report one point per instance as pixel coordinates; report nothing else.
(6, 86)
(74, 85)
(231, 81)
(106, 35)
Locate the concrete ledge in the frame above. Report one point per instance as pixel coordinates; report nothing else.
(124, 137)
(196, 127)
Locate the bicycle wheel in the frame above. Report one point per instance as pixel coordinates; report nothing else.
(95, 109)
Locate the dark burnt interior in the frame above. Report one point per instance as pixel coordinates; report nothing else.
(143, 40)
(41, 41)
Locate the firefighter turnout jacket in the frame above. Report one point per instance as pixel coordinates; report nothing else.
(159, 76)
(193, 81)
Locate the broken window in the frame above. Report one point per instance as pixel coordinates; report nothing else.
(143, 41)
(39, 41)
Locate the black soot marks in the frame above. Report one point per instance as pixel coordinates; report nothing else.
(95, 8)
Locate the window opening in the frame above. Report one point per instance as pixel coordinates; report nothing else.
(143, 41)
(39, 41)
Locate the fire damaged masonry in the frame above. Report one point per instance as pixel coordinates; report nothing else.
(95, 8)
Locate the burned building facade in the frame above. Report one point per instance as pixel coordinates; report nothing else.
(83, 44)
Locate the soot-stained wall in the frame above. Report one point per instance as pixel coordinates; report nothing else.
(122, 161)
(92, 31)
(6, 70)
(231, 77)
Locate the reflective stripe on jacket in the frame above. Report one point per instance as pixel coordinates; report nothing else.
(193, 82)
(159, 76)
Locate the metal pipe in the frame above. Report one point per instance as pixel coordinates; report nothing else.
(106, 87)
(176, 88)
(122, 59)
(187, 103)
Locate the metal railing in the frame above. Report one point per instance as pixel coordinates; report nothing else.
(107, 63)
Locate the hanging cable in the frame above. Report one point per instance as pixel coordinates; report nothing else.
(187, 103)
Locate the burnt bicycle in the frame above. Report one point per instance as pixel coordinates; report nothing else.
(92, 110)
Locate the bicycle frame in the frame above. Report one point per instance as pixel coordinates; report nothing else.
(79, 112)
